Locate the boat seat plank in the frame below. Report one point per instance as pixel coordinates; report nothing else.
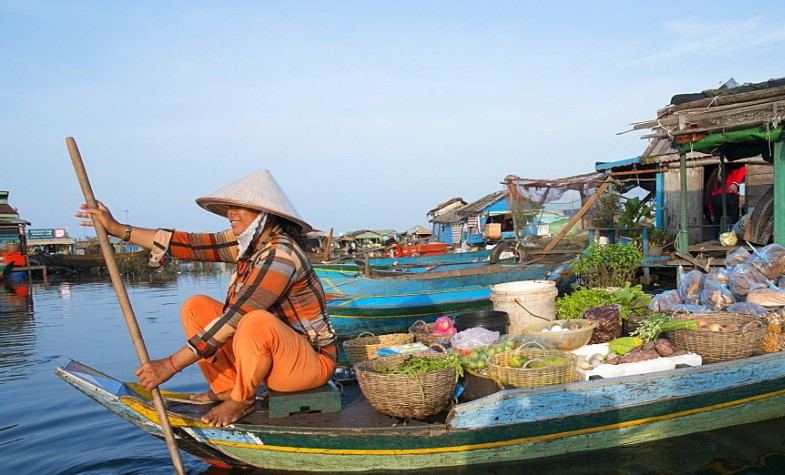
(355, 412)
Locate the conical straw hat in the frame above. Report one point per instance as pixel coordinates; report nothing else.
(257, 191)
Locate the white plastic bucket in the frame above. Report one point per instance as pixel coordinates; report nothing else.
(526, 302)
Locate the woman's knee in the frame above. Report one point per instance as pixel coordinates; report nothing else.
(199, 310)
(258, 321)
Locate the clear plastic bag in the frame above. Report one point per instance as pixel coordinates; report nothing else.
(719, 275)
(771, 260)
(716, 295)
(745, 278)
(472, 338)
(665, 302)
(683, 307)
(690, 287)
(739, 256)
(747, 308)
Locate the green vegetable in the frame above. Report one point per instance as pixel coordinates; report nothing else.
(608, 265)
(632, 300)
(417, 365)
(622, 346)
(573, 305)
(651, 328)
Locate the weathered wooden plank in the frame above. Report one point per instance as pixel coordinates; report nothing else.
(694, 201)
(524, 405)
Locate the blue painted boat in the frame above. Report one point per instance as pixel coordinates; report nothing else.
(392, 303)
(352, 315)
(381, 283)
(511, 425)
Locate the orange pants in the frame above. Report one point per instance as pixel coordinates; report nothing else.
(264, 349)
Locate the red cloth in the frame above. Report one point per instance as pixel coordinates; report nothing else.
(15, 258)
(735, 177)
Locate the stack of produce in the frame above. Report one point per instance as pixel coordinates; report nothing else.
(607, 308)
(749, 283)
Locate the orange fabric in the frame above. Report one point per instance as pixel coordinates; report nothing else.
(264, 349)
(16, 258)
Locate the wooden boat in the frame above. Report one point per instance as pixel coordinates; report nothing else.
(397, 283)
(85, 261)
(507, 426)
(472, 256)
(352, 315)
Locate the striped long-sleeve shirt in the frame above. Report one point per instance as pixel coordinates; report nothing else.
(276, 277)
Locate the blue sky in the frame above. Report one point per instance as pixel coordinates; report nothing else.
(367, 113)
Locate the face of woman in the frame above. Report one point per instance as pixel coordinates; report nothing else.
(240, 218)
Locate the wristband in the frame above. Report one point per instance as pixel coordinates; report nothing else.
(127, 233)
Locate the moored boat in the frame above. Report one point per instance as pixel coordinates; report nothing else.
(84, 261)
(507, 426)
(395, 283)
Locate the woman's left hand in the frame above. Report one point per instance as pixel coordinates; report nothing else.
(154, 373)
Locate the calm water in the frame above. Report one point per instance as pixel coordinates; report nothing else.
(47, 427)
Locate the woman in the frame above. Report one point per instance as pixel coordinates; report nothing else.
(272, 328)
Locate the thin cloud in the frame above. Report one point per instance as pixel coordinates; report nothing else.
(690, 39)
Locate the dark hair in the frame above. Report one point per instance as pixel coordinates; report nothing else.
(293, 230)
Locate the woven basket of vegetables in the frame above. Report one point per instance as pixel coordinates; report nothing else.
(365, 346)
(532, 367)
(566, 335)
(720, 336)
(423, 333)
(410, 386)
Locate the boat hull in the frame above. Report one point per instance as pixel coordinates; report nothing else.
(508, 426)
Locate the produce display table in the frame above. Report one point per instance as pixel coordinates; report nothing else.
(627, 369)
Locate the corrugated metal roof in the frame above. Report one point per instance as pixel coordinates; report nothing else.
(476, 207)
(450, 217)
(447, 203)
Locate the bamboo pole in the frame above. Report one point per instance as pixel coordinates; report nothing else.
(577, 217)
(125, 303)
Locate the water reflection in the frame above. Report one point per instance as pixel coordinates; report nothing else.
(17, 331)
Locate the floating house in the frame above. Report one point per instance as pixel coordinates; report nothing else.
(713, 157)
(444, 220)
(49, 241)
(12, 227)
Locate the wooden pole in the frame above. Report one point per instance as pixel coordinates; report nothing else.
(328, 247)
(125, 303)
(577, 217)
(683, 240)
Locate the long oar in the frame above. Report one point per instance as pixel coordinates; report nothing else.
(125, 303)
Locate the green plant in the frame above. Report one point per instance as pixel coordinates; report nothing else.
(605, 210)
(631, 299)
(608, 265)
(659, 237)
(634, 213)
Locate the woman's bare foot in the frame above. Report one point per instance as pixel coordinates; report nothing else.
(228, 412)
(209, 397)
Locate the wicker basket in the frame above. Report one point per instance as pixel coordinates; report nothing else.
(721, 346)
(423, 333)
(499, 369)
(365, 346)
(405, 396)
(568, 340)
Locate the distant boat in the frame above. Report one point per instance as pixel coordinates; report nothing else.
(84, 261)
